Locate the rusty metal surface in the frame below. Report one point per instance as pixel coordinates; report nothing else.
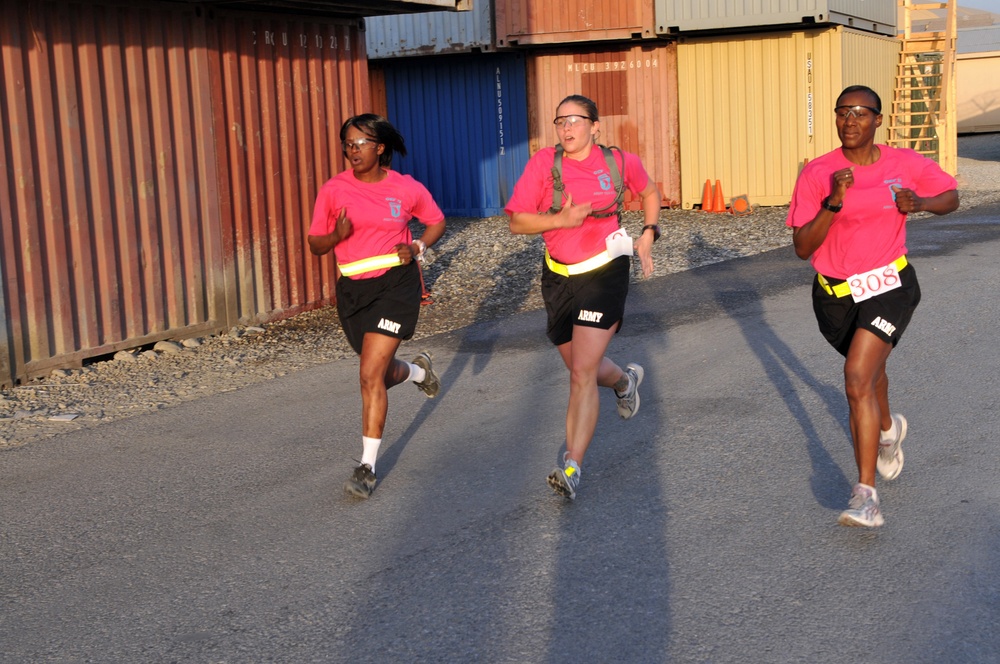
(338, 8)
(532, 22)
(635, 89)
(158, 165)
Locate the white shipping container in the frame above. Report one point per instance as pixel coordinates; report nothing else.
(681, 16)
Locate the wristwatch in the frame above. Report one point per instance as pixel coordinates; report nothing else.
(656, 231)
(832, 208)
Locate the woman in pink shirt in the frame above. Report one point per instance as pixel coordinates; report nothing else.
(848, 212)
(363, 215)
(585, 275)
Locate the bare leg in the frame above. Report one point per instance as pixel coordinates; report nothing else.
(588, 370)
(867, 388)
(380, 370)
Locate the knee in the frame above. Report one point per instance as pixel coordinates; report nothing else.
(371, 380)
(582, 376)
(858, 384)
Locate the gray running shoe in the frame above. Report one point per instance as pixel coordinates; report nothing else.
(430, 385)
(565, 480)
(890, 454)
(862, 509)
(628, 403)
(362, 482)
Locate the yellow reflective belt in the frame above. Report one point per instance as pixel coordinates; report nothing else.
(843, 289)
(577, 268)
(370, 264)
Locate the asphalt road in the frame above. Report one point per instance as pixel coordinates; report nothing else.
(704, 531)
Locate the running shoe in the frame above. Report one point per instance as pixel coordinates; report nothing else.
(628, 403)
(565, 480)
(362, 482)
(890, 452)
(862, 508)
(430, 385)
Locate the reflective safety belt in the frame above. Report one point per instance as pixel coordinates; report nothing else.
(370, 264)
(843, 289)
(593, 263)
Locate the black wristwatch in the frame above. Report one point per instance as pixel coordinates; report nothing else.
(656, 231)
(832, 208)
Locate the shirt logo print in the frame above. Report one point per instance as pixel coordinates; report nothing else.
(395, 208)
(605, 181)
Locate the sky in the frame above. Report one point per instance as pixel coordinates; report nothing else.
(988, 5)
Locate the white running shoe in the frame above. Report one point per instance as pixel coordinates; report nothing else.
(862, 509)
(628, 403)
(890, 453)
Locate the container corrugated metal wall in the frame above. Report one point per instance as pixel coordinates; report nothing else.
(753, 107)
(635, 89)
(680, 16)
(282, 88)
(978, 92)
(157, 170)
(463, 118)
(529, 22)
(432, 33)
(869, 59)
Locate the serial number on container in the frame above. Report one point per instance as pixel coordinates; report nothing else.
(612, 65)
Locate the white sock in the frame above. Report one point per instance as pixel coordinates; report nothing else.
(371, 446)
(417, 374)
(889, 434)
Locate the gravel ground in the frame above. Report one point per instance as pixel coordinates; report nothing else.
(479, 272)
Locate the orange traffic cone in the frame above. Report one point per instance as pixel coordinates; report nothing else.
(718, 203)
(706, 197)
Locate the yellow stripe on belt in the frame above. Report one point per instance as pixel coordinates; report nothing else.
(843, 289)
(370, 264)
(577, 268)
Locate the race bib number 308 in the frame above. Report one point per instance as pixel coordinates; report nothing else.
(874, 282)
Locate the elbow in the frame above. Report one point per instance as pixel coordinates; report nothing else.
(313, 248)
(953, 201)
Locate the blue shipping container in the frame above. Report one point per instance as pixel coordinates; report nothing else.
(464, 118)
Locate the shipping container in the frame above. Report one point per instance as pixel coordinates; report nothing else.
(754, 107)
(635, 89)
(158, 165)
(978, 92)
(432, 33)
(337, 8)
(533, 22)
(682, 16)
(464, 121)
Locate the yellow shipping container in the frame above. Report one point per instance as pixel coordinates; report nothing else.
(753, 108)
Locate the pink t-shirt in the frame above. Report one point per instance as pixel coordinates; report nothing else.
(587, 181)
(379, 212)
(869, 231)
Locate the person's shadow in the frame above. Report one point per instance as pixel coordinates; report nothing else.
(742, 302)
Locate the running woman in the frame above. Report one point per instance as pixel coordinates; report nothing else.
(362, 214)
(586, 269)
(848, 212)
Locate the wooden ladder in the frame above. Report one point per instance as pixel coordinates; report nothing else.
(923, 115)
